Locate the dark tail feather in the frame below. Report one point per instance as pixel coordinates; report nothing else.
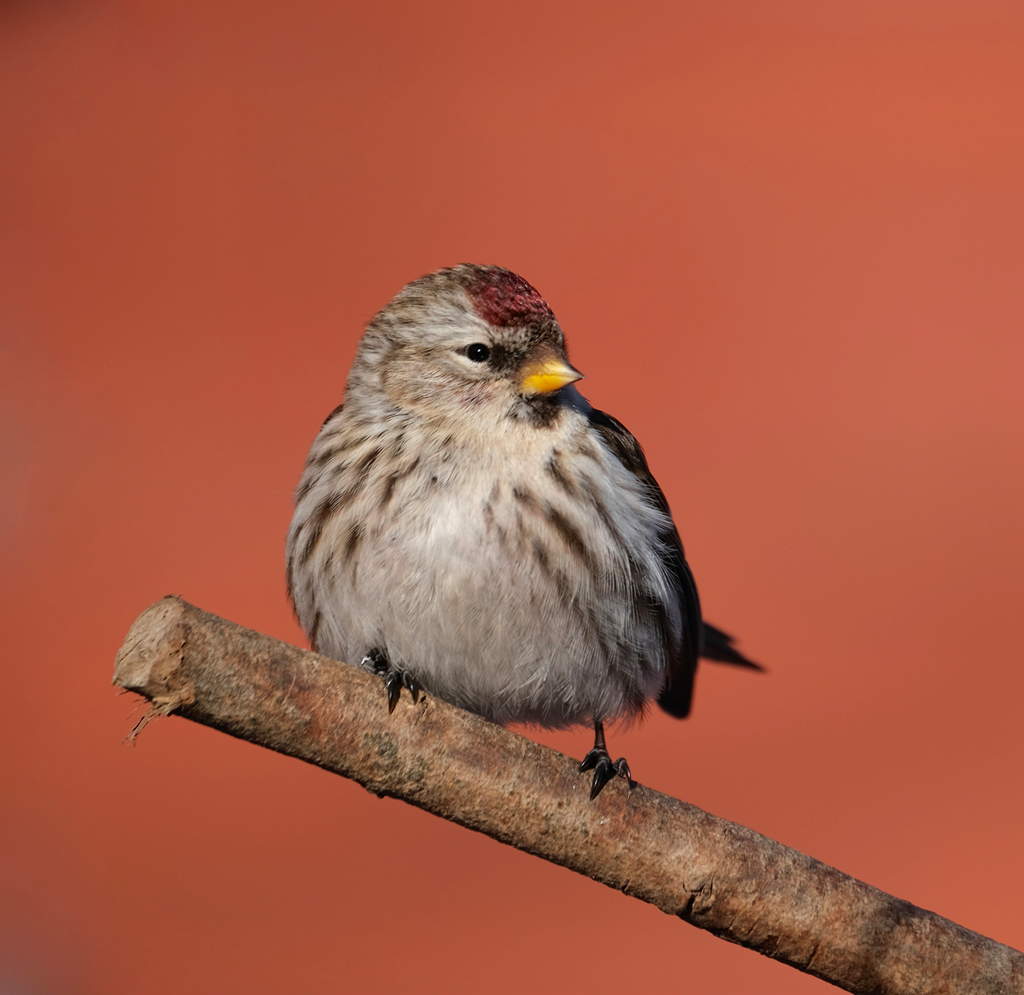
(718, 646)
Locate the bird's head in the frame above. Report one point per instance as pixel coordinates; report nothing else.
(470, 343)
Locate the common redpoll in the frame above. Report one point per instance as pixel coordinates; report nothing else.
(468, 525)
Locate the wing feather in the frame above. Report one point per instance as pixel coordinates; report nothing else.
(699, 638)
(677, 694)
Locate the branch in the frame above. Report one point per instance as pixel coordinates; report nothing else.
(711, 873)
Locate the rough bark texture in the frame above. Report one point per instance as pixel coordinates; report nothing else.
(711, 873)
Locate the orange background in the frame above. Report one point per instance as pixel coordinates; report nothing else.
(786, 242)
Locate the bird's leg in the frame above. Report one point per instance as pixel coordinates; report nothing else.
(377, 661)
(603, 767)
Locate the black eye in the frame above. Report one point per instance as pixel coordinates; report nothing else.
(478, 352)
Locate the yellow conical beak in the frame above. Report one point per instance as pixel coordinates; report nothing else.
(548, 375)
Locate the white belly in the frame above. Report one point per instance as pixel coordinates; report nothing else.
(507, 599)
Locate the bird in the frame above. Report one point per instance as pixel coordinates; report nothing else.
(468, 526)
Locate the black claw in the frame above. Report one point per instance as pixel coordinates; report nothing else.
(393, 685)
(604, 771)
(622, 769)
(415, 688)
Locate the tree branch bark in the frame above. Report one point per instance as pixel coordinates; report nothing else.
(711, 873)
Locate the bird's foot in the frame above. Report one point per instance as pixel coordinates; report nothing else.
(394, 679)
(604, 768)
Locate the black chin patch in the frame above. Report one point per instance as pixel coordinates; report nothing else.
(540, 411)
